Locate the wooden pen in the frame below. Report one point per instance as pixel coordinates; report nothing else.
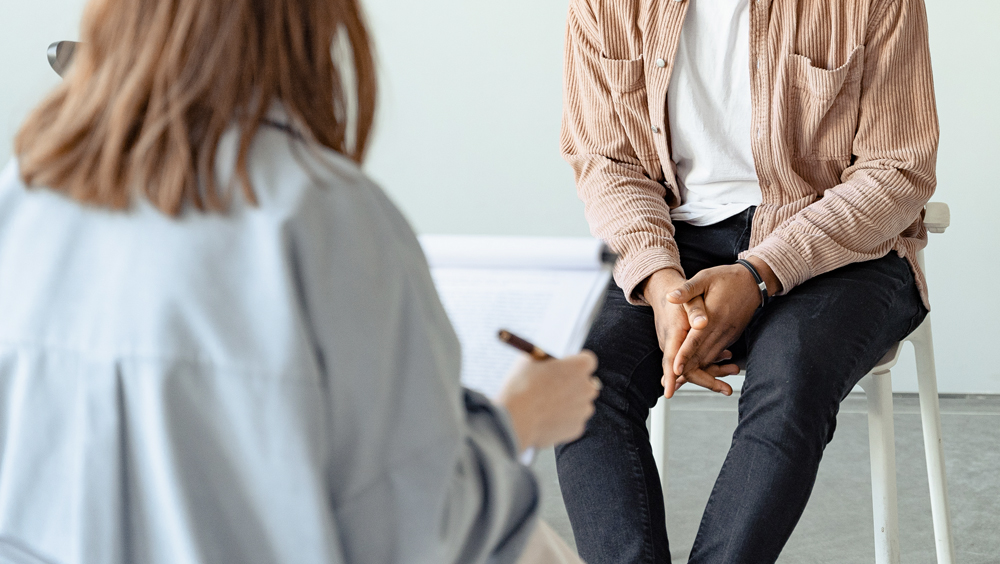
(523, 345)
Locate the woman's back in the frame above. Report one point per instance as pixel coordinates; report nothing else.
(218, 341)
(274, 384)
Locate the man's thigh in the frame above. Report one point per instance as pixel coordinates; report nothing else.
(629, 357)
(822, 337)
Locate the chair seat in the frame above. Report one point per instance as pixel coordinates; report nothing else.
(889, 359)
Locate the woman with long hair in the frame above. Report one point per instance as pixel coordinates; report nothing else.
(219, 342)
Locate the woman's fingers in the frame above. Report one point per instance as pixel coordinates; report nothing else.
(550, 401)
(585, 361)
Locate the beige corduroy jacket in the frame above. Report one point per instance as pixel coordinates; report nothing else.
(844, 132)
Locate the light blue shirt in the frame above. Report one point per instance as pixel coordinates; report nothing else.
(275, 384)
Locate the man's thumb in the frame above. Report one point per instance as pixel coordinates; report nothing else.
(688, 290)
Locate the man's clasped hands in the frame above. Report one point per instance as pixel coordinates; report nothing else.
(697, 319)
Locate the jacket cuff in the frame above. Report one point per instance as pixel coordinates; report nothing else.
(784, 259)
(476, 402)
(631, 271)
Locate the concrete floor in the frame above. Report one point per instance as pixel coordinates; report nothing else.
(837, 524)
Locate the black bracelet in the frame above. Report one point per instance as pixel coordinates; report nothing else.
(761, 285)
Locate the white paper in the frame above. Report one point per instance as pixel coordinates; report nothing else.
(483, 251)
(550, 297)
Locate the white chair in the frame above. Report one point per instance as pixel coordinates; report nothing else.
(878, 390)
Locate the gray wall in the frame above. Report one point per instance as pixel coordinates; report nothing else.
(467, 138)
(26, 30)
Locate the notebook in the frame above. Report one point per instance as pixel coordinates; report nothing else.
(545, 289)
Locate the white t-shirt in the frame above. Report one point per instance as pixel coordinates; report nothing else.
(708, 104)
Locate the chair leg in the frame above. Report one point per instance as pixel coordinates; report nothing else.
(881, 438)
(930, 417)
(659, 437)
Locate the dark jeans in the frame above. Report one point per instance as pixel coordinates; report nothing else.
(804, 352)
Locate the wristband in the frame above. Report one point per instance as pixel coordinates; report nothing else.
(761, 285)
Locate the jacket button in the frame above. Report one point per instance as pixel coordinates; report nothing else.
(661, 63)
(656, 129)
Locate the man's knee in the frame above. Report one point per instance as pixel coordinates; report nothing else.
(629, 357)
(622, 333)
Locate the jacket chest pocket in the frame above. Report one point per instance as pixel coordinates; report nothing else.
(822, 107)
(626, 81)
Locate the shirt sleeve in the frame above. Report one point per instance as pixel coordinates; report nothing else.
(623, 205)
(893, 174)
(420, 470)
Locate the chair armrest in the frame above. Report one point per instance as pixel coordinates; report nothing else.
(937, 217)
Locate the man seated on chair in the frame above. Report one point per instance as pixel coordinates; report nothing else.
(796, 136)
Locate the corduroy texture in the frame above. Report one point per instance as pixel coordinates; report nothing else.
(845, 131)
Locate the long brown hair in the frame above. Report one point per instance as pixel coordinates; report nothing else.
(156, 83)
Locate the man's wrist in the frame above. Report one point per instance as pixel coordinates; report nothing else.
(660, 282)
(765, 271)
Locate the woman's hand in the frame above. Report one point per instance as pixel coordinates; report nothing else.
(674, 321)
(550, 401)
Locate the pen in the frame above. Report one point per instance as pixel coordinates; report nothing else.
(523, 345)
